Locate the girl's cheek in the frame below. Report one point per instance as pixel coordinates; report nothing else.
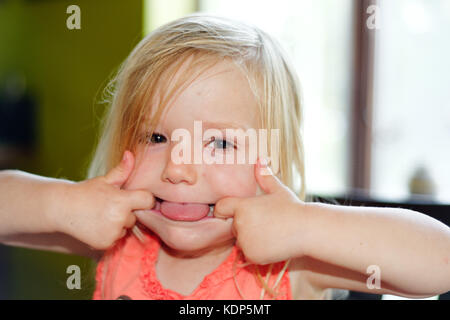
(231, 180)
(147, 167)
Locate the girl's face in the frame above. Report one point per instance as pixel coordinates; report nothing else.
(220, 98)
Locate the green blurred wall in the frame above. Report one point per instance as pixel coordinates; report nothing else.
(65, 69)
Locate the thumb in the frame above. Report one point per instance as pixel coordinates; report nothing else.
(118, 175)
(268, 182)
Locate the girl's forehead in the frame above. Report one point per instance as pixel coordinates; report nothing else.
(219, 95)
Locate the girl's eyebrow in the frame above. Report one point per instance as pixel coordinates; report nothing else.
(223, 125)
(208, 125)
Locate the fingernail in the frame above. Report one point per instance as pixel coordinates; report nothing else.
(124, 156)
(263, 162)
(265, 171)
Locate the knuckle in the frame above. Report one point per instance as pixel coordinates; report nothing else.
(117, 215)
(122, 196)
(114, 202)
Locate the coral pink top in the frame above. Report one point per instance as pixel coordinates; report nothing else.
(128, 269)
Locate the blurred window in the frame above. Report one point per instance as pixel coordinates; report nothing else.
(411, 114)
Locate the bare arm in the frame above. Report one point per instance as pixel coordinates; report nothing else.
(83, 218)
(337, 246)
(27, 204)
(411, 250)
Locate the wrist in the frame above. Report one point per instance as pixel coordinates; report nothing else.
(59, 195)
(304, 217)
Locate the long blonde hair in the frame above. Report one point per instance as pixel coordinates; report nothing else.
(155, 60)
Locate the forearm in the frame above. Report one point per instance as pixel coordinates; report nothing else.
(411, 249)
(28, 202)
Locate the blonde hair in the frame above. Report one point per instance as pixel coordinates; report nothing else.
(208, 39)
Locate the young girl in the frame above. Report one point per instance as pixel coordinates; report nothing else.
(216, 230)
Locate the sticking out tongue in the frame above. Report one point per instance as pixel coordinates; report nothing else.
(184, 211)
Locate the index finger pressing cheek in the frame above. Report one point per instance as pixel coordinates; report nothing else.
(140, 199)
(226, 207)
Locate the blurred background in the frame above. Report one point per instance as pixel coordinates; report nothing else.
(376, 88)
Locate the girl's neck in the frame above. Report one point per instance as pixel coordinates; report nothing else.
(183, 272)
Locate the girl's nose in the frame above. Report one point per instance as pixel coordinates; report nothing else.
(178, 173)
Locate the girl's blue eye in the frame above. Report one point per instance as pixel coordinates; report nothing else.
(222, 144)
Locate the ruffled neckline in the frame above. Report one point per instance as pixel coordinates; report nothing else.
(155, 290)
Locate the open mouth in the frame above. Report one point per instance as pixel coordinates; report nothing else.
(184, 211)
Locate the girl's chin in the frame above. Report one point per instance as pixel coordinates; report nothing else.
(193, 246)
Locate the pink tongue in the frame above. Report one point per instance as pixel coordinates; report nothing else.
(185, 212)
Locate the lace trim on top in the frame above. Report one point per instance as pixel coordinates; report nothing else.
(153, 289)
(156, 291)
